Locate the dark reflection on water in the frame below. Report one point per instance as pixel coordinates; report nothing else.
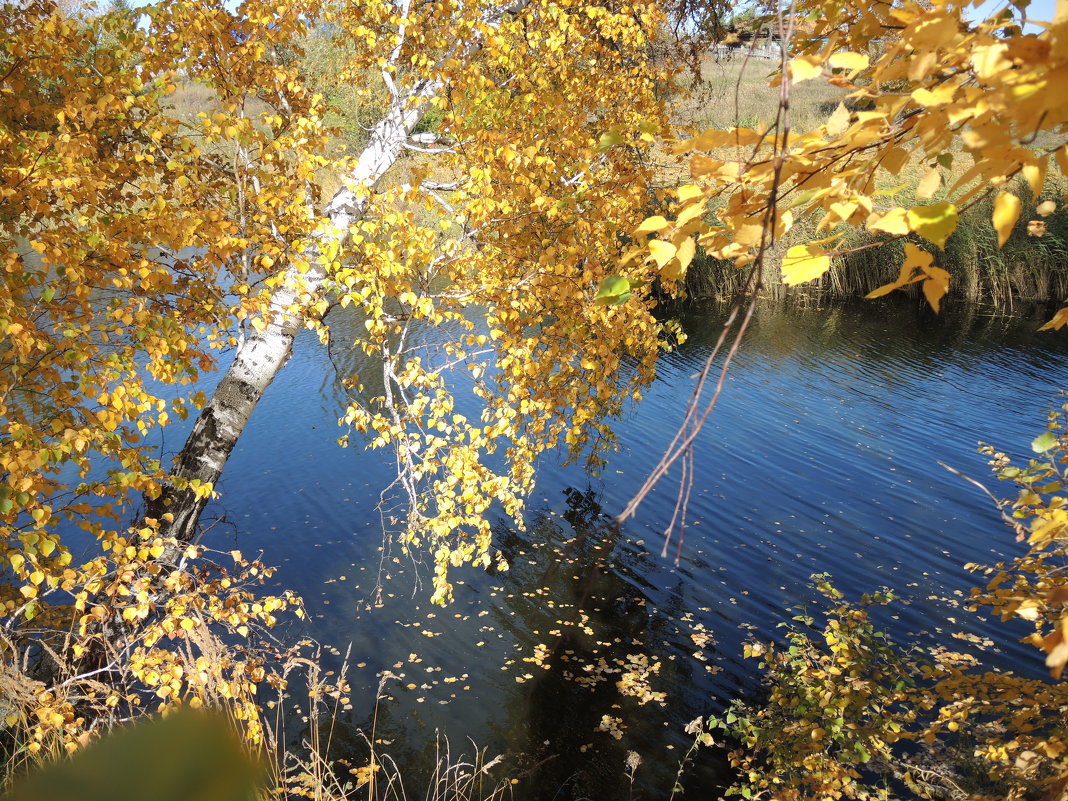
(821, 457)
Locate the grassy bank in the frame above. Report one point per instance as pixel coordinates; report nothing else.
(1027, 268)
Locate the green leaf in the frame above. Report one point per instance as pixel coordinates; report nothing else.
(609, 139)
(1043, 442)
(5, 505)
(934, 223)
(802, 198)
(614, 289)
(184, 757)
(48, 293)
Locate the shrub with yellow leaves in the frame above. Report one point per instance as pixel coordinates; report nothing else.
(843, 700)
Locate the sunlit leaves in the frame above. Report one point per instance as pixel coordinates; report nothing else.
(935, 286)
(938, 90)
(804, 69)
(655, 224)
(1006, 212)
(934, 223)
(929, 184)
(937, 97)
(894, 222)
(804, 263)
(551, 178)
(918, 266)
(661, 252)
(838, 122)
(849, 61)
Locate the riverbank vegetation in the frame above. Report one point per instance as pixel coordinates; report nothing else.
(850, 714)
(186, 188)
(739, 92)
(1026, 270)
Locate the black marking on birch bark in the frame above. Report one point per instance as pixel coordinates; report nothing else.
(265, 353)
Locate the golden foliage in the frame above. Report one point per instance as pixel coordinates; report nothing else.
(140, 240)
(920, 84)
(841, 701)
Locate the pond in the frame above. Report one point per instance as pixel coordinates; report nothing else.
(822, 456)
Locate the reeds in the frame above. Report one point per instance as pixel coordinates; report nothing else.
(1027, 269)
(309, 769)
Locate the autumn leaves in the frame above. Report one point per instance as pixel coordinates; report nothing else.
(969, 107)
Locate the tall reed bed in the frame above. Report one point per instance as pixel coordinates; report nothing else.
(1027, 269)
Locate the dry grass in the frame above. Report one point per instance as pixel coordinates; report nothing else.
(299, 764)
(309, 770)
(736, 93)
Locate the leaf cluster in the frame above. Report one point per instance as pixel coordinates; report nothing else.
(843, 701)
(921, 86)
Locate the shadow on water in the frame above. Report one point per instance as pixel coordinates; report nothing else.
(582, 691)
(822, 456)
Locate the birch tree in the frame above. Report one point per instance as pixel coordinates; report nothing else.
(145, 246)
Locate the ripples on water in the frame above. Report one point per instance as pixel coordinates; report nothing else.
(821, 456)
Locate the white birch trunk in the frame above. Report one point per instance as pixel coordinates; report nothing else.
(264, 353)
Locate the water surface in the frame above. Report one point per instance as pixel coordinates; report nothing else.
(821, 457)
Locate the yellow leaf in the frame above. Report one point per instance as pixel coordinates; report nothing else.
(934, 223)
(1046, 208)
(689, 192)
(990, 61)
(849, 61)
(894, 159)
(749, 234)
(838, 123)
(1058, 321)
(916, 258)
(938, 97)
(1035, 174)
(686, 252)
(921, 64)
(661, 252)
(804, 263)
(935, 287)
(929, 185)
(1061, 157)
(804, 68)
(653, 225)
(691, 212)
(932, 32)
(893, 223)
(885, 289)
(1057, 658)
(1006, 212)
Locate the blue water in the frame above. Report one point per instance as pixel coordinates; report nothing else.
(821, 457)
